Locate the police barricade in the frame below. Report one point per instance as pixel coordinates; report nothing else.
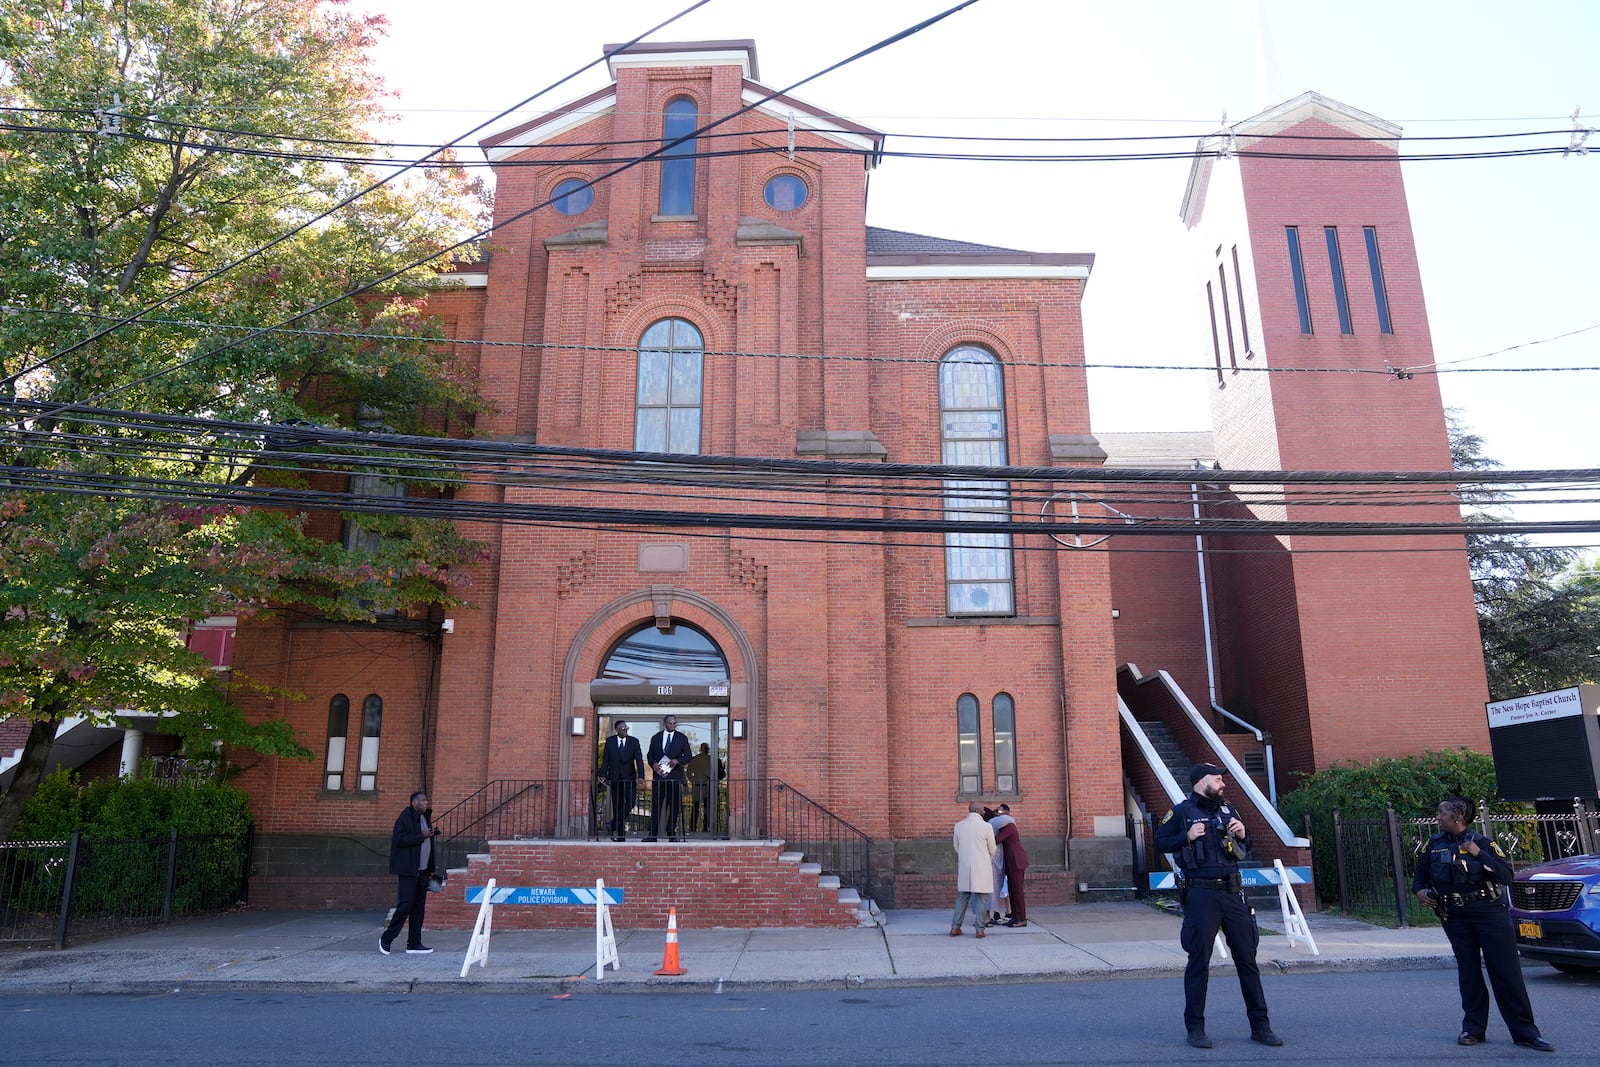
(1294, 920)
(487, 896)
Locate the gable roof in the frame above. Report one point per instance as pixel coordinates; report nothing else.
(897, 254)
(1276, 119)
(784, 109)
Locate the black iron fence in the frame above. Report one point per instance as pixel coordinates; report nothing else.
(94, 886)
(1376, 857)
(743, 809)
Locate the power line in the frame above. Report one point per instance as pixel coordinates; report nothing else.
(688, 137)
(352, 198)
(1436, 368)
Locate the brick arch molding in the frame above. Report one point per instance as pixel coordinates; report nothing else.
(623, 612)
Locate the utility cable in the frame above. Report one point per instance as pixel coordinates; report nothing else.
(352, 198)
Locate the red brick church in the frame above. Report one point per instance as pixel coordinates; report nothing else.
(856, 690)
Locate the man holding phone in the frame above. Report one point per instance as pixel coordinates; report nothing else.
(411, 861)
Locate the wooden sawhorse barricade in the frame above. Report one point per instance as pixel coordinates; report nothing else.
(605, 937)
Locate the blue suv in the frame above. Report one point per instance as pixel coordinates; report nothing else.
(1555, 908)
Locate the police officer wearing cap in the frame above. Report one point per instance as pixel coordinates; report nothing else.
(1208, 839)
(1463, 876)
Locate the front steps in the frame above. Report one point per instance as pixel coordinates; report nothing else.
(734, 884)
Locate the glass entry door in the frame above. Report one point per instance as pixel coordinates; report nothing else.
(704, 797)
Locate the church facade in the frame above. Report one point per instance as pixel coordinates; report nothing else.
(729, 299)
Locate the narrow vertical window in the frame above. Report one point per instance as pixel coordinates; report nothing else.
(1216, 343)
(338, 731)
(1297, 267)
(1380, 291)
(967, 743)
(680, 118)
(1227, 316)
(1005, 743)
(972, 423)
(1341, 298)
(371, 728)
(1238, 292)
(666, 415)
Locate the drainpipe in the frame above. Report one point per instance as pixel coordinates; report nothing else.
(1205, 622)
(1205, 596)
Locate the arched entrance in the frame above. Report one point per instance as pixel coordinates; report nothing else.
(654, 671)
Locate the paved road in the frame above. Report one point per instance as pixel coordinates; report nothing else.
(1370, 1019)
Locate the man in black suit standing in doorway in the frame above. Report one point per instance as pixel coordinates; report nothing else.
(669, 751)
(622, 773)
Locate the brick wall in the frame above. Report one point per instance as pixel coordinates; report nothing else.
(734, 884)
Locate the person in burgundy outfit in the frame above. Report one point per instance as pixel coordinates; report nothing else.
(1016, 862)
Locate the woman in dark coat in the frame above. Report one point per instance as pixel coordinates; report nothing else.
(1016, 860)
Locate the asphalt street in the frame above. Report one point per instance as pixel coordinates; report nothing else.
(1372, 1019)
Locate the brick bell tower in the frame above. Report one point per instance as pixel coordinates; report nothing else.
(1343, 647)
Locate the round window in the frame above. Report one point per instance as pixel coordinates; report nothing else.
(785, 193)
(573, 196)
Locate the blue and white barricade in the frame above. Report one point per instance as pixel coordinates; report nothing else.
(1294, 920)
(487, 896)
(528, 894)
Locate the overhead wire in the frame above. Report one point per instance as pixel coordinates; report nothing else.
(352, 198)
(356, 290)
(1436, 368)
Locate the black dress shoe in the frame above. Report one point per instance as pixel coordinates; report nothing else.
(1198, 1039)
(1266, 1037)
(1468, 1038)
(1538, 1044)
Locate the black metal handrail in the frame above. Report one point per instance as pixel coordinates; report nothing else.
(745, 809)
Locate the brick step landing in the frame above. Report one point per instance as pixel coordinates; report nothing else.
(739, 884)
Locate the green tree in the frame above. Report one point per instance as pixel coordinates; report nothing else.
(146, 145)
(1538, 611)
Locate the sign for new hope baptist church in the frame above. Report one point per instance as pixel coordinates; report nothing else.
(1547, 746)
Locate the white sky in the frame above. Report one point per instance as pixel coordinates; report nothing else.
(1508, 248)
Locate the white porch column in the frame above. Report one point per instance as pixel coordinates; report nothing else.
(132, 749)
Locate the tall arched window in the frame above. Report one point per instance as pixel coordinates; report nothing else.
(371, 727)
(680, 117)
(1005, 743)
(667, 412)
(972, 426)
(338, 731)
(967, 754)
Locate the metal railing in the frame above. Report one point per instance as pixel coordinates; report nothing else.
(746, 809)
(90, 886)
(1376, 857)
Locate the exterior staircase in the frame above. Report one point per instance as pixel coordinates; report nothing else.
(1168, 749)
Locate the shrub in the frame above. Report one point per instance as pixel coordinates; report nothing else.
(1412, 785)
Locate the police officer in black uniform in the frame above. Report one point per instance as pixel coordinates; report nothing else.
(1208, 839)
(1464, 876)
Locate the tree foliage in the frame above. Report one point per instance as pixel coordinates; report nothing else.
(149, 144)
(1538, 610)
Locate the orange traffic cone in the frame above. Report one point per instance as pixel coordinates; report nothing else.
(669, 962)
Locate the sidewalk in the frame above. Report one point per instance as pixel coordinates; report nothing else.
(338, 951)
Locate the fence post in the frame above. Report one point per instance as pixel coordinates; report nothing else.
(1581, 815)
(172, 876)
(1316, 895)
(66, 892)
(1338, 854)
(1399, 868)
(249, 854)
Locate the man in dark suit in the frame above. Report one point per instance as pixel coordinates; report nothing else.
(411, 861)
(622, 773)
(669, 751)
